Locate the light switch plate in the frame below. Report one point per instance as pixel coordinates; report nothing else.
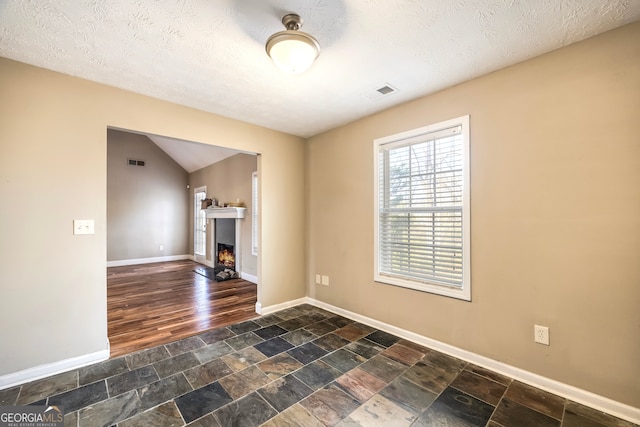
(83, 226)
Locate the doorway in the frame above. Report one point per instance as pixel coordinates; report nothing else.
(156, 227)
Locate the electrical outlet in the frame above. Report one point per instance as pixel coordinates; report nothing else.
(541, 334)
(318, 279)
(325, 280)
(162, 247)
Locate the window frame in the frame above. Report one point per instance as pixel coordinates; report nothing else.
(417, 135)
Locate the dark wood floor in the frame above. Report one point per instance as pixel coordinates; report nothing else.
(153, 304)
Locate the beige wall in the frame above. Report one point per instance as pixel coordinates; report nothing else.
(555, 208)
(53, 169)
(226, 181)
(147, 206)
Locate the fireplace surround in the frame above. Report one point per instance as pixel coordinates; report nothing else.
(213, 215)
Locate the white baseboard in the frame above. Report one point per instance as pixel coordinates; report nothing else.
(258, 308)
(43, 371)
(567, 391)
(288, 304)
(135, 261)
(249, 277)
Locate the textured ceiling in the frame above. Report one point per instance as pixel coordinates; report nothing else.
(209, 54)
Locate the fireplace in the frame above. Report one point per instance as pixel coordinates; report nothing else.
(226, 251)
(226, 256)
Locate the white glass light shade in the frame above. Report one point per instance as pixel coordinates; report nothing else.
(292, 51)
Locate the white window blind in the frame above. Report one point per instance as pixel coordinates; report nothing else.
(422, 217)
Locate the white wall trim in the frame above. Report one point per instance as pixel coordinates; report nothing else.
(273, 308)
(46, 370)
(258, 307)
(135, 261)
(249, 277)
(567, 391)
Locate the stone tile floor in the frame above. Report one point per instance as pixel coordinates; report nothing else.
(302, 366)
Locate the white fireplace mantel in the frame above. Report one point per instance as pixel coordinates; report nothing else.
(237, 213)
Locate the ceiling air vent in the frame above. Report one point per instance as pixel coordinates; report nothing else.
(384, 90)
(134, 162)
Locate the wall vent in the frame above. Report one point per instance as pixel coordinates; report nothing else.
(134, 162)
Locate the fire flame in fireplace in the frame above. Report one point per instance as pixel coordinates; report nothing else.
(227, 258)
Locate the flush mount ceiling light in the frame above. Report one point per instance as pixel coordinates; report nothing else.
(292, 51)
